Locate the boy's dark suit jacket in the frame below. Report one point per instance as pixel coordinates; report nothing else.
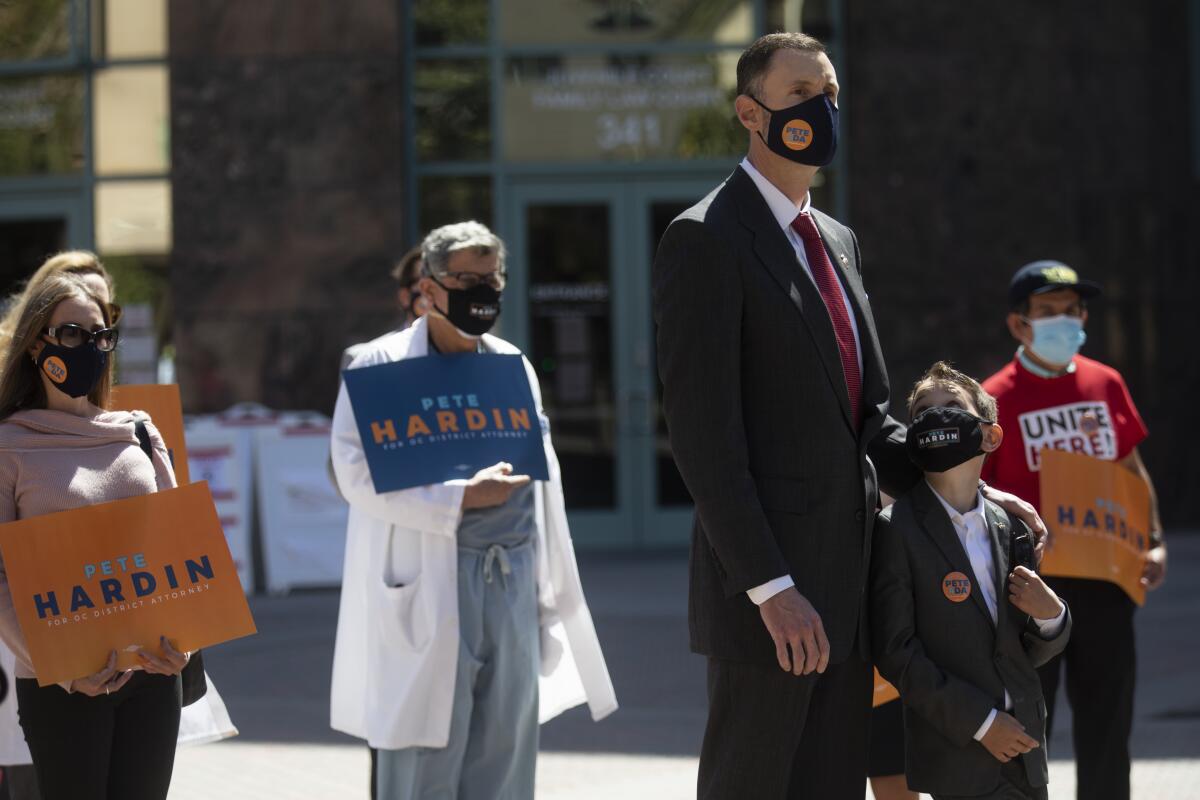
(950, 662)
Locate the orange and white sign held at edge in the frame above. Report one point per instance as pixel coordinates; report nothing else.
(161, 402)
(117, 576)
(1098, 514)
(884, 692)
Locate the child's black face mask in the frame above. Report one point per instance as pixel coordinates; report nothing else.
(941, 438)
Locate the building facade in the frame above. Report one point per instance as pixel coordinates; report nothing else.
(334, 139)
(85, 151)
(307, 143)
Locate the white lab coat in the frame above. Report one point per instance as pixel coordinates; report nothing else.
(396, 653)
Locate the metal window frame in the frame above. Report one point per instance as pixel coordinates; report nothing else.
(496, 168)
(501, 172)
(626, 186)
(81, 59)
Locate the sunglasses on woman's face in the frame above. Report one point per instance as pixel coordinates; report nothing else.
(71, 335)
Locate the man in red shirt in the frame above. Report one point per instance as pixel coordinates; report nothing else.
(1049, 396)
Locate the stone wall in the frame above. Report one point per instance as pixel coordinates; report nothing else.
(986, 135)
(288, 195)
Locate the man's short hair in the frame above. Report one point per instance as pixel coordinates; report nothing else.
(441, 242)
(756, 60)
(943, 375)
(408, 269)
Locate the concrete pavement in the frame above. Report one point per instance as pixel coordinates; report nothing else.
(276, 686)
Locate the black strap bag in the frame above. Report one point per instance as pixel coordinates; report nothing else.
(194, 684)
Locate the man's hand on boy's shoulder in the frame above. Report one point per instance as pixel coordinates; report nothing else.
(1019, 509)
(1028, 592)
(1006, 739)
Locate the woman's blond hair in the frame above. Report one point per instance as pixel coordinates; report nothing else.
(20, 384)
(74, 262)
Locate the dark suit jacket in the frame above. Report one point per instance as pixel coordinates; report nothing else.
(950, 662)
(759, 421)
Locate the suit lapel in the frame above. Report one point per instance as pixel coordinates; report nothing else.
(875, 393)
(775, 252)
(940, 529)
(999, 534)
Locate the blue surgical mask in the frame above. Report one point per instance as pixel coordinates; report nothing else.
(1056, 340)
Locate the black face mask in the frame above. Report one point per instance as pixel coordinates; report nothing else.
(806, 133)
(941, 438)
(473, 311)
(74, 371)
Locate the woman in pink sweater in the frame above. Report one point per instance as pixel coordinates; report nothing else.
(111, 734)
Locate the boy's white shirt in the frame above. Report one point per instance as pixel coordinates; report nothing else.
(972, 531)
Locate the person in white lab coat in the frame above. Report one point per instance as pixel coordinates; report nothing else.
(463, 623)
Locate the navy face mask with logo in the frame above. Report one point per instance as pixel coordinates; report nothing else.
(473, 311)
(74, 371)
(806, 133)
(941, 438)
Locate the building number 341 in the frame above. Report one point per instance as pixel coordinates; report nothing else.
(628, 130)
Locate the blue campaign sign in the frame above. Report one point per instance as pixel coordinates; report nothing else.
(440, 417)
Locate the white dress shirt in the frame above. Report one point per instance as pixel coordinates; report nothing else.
(785, 211)
(972, 531)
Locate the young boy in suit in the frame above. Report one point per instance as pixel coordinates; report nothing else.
(957, 626)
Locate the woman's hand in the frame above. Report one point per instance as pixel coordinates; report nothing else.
(106, 681)
(171, 663)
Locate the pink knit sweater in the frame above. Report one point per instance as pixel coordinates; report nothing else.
(54, 461)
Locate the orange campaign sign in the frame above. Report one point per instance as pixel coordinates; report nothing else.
(117, 576)
(1098, 514)
(161, 402)
(884, 691)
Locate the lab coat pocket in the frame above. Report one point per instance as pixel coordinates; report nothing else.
(405, 618)
(402, 559)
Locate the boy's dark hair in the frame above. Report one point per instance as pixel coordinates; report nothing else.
(943, 374)
(753, 64)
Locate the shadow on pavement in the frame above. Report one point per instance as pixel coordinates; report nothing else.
(276, 684)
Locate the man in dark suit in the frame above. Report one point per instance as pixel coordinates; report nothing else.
(774, 392)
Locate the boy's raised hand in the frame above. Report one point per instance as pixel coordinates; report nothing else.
(1028, 592)
(1006, 738)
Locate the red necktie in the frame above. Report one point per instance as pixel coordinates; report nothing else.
(835, 303)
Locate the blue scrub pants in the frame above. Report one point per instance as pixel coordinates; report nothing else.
(493, 744)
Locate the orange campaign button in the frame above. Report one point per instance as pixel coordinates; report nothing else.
(797, 134)
(55, 369)
(956, 586)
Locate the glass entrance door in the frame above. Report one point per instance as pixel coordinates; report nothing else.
(665, 508)
(579, 305)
